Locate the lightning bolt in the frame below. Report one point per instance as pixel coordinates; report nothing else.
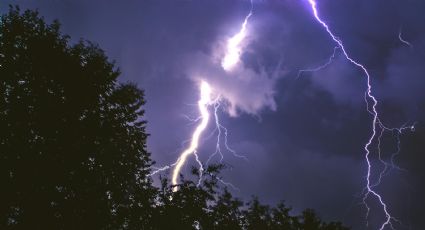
(234, 48)
(326, 64)
(220, 128)
(201, 169)
(203, 103)
(402, 40)
(376, 123)
(391, 164)
(230, 59)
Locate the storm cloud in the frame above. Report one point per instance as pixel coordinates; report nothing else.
(303, 134)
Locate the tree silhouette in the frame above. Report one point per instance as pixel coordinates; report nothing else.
(282, 219)
(73, 147)
(310, 220)
(257, 215)
(227, 212)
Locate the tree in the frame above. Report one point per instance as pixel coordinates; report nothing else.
(72, 139)
(282, 219)
(310, 220)
(257, 216)
(227, 212)
(73, 147)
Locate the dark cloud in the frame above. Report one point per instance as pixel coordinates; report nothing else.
(304, 136)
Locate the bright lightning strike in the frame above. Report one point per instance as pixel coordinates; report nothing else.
(230, 59)
(234, 49)
(220, 128)
(375, 125)
(203, 103)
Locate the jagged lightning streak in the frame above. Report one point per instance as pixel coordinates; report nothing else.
(391, 164)
(402, 39)
(372, 110)
(234, 49)
(326, 64)
(230, 59)
(220, 128)
(201, 169)
(203, 103)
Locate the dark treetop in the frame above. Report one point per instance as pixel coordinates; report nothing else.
(73, 147)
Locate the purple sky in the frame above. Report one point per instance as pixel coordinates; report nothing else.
(303, 136)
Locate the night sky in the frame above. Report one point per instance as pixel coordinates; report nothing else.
(303, 133)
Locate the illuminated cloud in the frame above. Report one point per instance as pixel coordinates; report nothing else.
(244, 89)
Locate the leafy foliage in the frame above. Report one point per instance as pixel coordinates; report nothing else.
(73, 147)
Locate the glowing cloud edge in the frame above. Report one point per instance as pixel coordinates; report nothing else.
(234, 50)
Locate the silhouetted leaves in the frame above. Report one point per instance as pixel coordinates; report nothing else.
(73, 147)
